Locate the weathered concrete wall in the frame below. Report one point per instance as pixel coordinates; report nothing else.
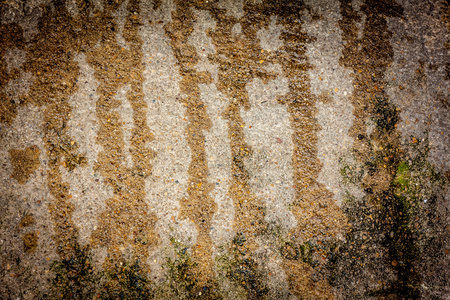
(224, 149)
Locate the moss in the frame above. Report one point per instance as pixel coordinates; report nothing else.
(242, 270)
(415, 179)
(181, 276)
(397, 222)
(75, 277)
(351, 174)
(126, 281)
(181, 279)
(302, 252)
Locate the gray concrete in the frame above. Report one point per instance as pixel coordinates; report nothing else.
(340, 186)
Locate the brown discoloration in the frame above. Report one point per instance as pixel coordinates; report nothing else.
(30, 242)
(241, 59)
(126, 221)
(317, 214)
(11, 36)
(316, 211)
(301, 283)
(24, 163)
(199, 205)
(445, 13)
(237, 56)
(50, 61)
(27, 220)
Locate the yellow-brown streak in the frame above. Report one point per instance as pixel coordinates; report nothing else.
(126, 222)
(10, 36)
(317, 214)
(199, 205)
(240, 60)
(50, 60)
(24, 162)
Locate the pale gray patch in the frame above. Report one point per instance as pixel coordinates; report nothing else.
(356, 4)
(217, 146)
(236, 30)
(72, 8)
(20, 86)
(218, 153)
(25, 13)
(203, 43)
(334, 143)
(330, 79)
(270, 37)
(83, 125)
(126, 117)
(19, 199)
(234, 8)
(88, 189)
(161, 15)
(267, 128)
(370, 127)
(277, 282)
(271, 68)
(420, 96)
(269, 134)
(165, 116)
(14, 58)
(120, 17)
(98, 4)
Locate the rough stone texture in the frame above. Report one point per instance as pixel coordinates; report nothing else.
(224, 149)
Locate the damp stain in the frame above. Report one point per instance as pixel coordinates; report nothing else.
(445, 15)
(236, 55)
(318, 216)
(240, 60)
(30, 242)
(199, 206)
(11, 36)
(27, 220)
(24, 163)
(49, 58)
(115, 67)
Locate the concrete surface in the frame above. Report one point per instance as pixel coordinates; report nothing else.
(224, 149)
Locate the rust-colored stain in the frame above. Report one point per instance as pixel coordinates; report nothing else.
(238, 59)
(114, 68)
(10, 36)
(24, 163)
(30, 242)
(27, 220)
(199, 206)
(378, 229)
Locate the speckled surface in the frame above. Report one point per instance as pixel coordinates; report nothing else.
(224, 149)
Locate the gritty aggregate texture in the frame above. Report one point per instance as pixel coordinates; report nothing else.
(224, 149)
